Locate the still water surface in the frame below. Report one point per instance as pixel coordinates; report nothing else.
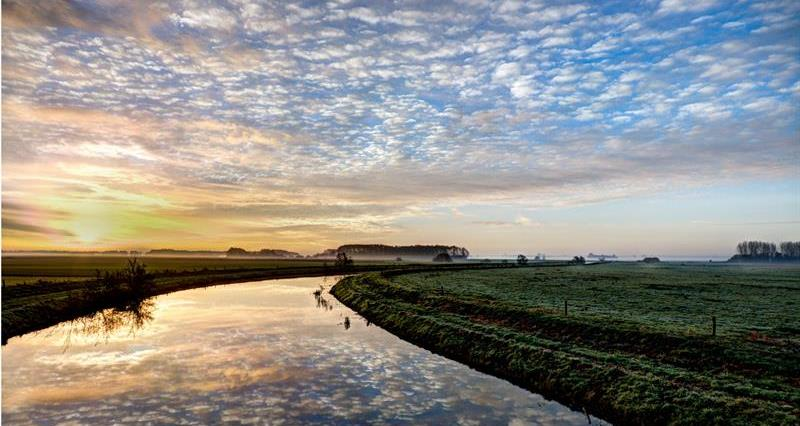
(255, 353)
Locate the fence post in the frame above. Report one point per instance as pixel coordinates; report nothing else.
(713, 325)
(565, 307)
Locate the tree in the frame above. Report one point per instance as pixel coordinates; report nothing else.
(741, 248)
(389, 252)
(236, 251)
(139, 282)
(443, 257)
(790, 249)
(759, 249)
(342, 260)
(578, 260)
(522, 260)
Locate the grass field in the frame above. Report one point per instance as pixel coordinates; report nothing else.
(635, 346)
(666, 297)
(31, 268)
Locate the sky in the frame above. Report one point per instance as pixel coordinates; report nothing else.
(653, 127)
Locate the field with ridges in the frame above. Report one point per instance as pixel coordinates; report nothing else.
(635, 345)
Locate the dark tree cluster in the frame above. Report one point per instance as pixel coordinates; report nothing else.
(270, 253)
(791, 249)
(385, 251)
(236, 251)
(522, 260)
(768, 250)
(756, 249)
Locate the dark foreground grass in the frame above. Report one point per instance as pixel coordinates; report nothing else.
(635, 347)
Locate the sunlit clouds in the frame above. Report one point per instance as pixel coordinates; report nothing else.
(303, 126)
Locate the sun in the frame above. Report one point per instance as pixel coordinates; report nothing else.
(89, 230)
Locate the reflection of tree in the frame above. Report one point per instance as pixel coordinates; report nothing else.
(126, 291)
(322, 303)
(133, 314)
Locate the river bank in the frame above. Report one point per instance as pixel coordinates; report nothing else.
(33, 306)
(656, 369)
(281, 351)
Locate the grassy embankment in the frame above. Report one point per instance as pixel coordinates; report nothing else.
(635, 346)
(40, 291)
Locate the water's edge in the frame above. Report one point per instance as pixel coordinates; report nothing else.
(433, 337)
(38, 314)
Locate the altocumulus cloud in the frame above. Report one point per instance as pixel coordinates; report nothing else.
(277, 111)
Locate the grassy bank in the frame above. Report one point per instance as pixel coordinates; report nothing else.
(635, 346)
(37, 301)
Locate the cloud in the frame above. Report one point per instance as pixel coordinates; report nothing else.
(293, 119)
(681, 6)
(520, 221)
(705, 110)
(506, 71)
(13, 225)
(557, 13)
(616, 91)
(522, 88)
(206, 17)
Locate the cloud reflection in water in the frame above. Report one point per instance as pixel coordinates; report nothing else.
(249, 353)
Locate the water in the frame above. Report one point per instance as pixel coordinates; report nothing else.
(262, 352)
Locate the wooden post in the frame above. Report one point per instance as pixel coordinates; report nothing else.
(565, 308)
(713, 325)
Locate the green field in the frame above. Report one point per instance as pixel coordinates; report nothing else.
(667, 297)
(635, 346)
(32, 268)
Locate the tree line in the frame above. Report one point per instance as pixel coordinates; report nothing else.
(765, 249)
(382, 250)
